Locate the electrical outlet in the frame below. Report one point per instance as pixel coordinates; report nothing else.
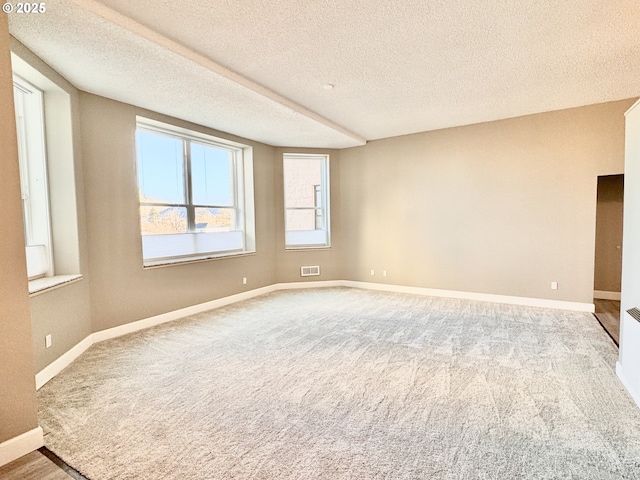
(373, 272)
(384, 273)
(47, 341)
(554, 285)
(244, 280)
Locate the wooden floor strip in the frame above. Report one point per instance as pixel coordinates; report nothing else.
(69, 470)
(33, 466)
(608, 315)
(606, 330)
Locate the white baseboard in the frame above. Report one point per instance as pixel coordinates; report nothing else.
(481, 297)
(177, 314)
(312, 284)
(62, 362)
(604, 295)
(203, 307)
(19, 446)
(65, 360)
(626, 384)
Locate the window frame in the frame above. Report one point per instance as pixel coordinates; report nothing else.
(194, 244)
(306, 240)
(34, 178)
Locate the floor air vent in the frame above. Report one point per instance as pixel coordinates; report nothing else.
(309, 271)
(635, 313)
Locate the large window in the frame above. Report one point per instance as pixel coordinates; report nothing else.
(45, 134)
(33, 178)
(306, 201)
(196, 194)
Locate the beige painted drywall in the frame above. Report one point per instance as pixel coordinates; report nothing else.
(504, 207)
(123, 291)
(329, 259)
(608, 261)
(64, 313)
(17, 383)
(629, 327)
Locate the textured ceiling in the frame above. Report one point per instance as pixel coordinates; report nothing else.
(256, 68)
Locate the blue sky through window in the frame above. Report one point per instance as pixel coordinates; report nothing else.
(211, 175)
(161, 172)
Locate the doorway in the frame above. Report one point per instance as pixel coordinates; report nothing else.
(608, 255)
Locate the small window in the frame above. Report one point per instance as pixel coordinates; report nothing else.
(196, 194)
(306, 201)
(33, 178)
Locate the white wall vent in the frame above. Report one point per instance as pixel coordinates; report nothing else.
(309, 271)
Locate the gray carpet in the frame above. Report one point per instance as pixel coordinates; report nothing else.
(349, 384)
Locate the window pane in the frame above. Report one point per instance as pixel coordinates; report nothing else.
(301, 177)
(162, 220)
(215, 219)
(160, 168)
(211, 175)
(29, 110)
(301, 220)
(319, 220)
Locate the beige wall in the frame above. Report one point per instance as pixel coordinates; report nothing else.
(504, 207)
(329, 259)
(17, 383)
(64, 313)
(608, 261)
(121, 290)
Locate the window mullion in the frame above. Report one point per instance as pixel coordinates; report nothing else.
(234, 191)
(323, 196)
(170, 205)
(191, 211)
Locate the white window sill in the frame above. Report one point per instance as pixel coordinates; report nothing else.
(45, 284)
(168, 262)
(307, 247)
